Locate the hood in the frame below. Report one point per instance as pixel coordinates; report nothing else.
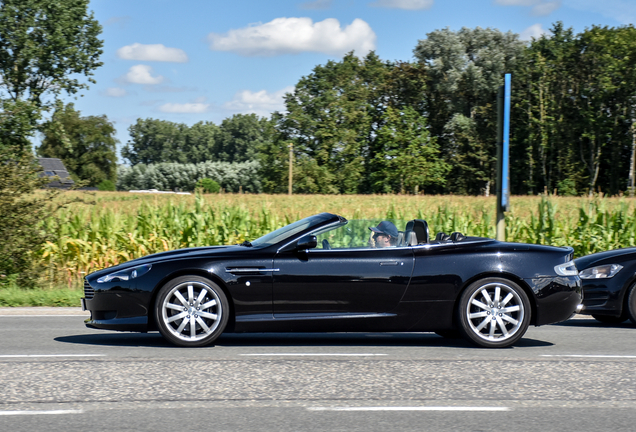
(615, 256)
(175, 254)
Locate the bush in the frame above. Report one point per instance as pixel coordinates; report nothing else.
(208, 185)
(106, 185)
(21, 213)
(232, 177)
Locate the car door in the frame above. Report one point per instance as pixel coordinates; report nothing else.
(340, 282)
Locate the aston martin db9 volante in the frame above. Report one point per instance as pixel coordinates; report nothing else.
(609, 285)
(326, 274)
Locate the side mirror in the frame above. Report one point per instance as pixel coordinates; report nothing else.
(307, 242)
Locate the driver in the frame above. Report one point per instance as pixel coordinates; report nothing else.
(385, 234)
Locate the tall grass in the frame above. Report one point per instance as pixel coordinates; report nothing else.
(121, 227)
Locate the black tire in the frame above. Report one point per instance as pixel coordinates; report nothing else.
(493, 313)
(608, 319)
(631, 304)
(191, 311)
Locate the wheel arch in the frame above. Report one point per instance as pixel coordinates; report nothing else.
(499, 275)
(192, 272)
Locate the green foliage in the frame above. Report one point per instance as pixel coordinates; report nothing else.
(156, 141)
(332, 119)
(575, 105)
(60, 296)
(106, 185)
(233, 177)
(208, 185)
(240, 137)
(86, 145)
(21, 213)
(18, 122)
(465, 69)
(45, 45)
(235, 140)
(409, 156)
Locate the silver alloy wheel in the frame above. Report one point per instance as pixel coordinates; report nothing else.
(191, 311)
(495, 312)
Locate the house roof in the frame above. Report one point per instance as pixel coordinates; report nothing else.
(55, 167)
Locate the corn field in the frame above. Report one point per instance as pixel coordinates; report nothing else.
(120, 227)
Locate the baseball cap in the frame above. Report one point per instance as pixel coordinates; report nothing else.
(385, 227)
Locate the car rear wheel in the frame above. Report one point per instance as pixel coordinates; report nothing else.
(494, 313)
(191, 311)
(631, 304)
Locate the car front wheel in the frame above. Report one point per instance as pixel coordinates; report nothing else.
(494, 313)
(191, 311)
(631, 304)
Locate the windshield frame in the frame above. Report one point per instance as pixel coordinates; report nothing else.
(294, 229)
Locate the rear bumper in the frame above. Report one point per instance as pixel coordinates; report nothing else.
(557, 299)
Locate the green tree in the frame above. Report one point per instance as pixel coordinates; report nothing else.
(200, 142)
(45, 47)
(409, 159)
(332, 118)
(464, 70)
(21, 213)
(240, 137)
(86, 145)
(574, 111)
(156, 141)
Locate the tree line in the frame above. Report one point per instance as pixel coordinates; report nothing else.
(366, 125)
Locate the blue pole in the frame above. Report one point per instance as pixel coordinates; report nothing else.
(505, 168)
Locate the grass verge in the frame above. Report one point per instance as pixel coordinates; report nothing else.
(12, 296)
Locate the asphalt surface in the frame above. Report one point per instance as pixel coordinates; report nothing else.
(56, 374)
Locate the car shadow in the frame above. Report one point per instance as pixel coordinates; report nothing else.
(421, 340)
(592, 323)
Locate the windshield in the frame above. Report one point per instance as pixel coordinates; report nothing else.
(355, 234)
(291, 230)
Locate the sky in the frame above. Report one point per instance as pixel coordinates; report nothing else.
(205, 60)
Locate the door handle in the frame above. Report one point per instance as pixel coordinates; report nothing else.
(388, 263)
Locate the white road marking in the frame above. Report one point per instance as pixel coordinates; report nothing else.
(311, 355)
(55, 412)
(588, 356)
(50, 355)
(431, 408)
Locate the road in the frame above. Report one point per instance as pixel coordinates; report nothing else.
(57, 375)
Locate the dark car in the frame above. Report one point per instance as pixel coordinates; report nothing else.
(322, 274)
(609, 285)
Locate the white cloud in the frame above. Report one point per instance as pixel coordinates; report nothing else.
(260, 102)
(404, 4)
(546, 8)
(195, 107)
(156, 52)
(142, 74)
(295, 35)
(539, 7)
(534, 31)
(115, 92)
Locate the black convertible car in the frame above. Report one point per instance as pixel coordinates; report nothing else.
(609, 285)
(326, 274)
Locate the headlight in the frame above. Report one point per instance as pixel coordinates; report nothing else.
(601, 272)
(566, 269)
(127, 274)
